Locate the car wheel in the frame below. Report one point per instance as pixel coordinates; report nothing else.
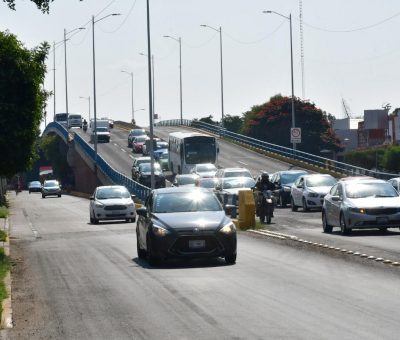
(151, 259)
(43, 196)
(383, 230)
(343, 228)
(230, 259)
(294, 207)
(325, 226)
(29, 191)
(305, 208)
(59, 195)
(140, 252)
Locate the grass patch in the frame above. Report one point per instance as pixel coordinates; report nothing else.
(3, 236)
(4, 268)
(3, 212)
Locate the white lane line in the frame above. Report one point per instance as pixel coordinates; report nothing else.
(123, 150)
(131, 157)
(31, 226)
(245, 164)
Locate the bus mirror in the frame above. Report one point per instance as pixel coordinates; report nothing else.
(217, 149)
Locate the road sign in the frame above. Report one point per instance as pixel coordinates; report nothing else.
(295, 135)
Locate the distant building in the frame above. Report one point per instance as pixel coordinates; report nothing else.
(394, 127)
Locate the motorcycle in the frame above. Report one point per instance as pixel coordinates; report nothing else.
(84, 127)
(265, 206)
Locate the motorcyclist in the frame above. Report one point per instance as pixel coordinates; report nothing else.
(84, 125)
(263, 183)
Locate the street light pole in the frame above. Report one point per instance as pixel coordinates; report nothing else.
(222, 74)
(94, 89)
(291, 66)
(133, 110)
(65, 63)
(180, 71)
(54, 80)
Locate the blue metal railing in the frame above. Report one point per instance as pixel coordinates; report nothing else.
(308, 158)
(115, 177)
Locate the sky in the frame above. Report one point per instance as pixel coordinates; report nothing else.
(350, 48)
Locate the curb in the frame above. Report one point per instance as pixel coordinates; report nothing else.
(6, 315)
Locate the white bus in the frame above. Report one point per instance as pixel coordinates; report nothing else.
(189, 148)
(61, 118)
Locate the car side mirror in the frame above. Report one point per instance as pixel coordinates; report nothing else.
(142, 212)
(229, 209)
(299, 186)
(335, 198)
(91, 198)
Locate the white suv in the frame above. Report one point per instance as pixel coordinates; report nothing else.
(233, 172)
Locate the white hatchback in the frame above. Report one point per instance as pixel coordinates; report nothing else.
(112, 202)
(308, 191)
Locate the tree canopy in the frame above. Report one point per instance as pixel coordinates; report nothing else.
(271, 122)
(43, 5)
(22, 102)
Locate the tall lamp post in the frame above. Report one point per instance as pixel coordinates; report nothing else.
(152, 78)
(291, 65)
(133, 110)
(179, 40)
(94, 87)
(222, 74)
(65, 64)
(87, 98)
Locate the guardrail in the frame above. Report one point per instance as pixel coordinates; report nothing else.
(315, 160)
(115, 177)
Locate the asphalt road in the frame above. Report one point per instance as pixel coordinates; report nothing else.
(74, 280)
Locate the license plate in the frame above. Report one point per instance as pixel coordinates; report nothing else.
(197, 244)
(382, 219)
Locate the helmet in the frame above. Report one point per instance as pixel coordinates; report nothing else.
(264, 174)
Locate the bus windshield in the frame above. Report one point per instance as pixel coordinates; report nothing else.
(61, 117)
(200, 150)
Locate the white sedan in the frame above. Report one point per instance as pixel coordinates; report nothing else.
(113, 202)
(308, 191)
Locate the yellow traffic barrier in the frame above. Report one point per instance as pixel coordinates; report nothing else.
(247, 209)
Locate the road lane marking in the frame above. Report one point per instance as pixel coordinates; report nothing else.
(31, 226)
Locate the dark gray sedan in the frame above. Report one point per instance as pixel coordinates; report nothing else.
(184, 222)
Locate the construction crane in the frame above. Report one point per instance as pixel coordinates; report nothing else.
(346, 109)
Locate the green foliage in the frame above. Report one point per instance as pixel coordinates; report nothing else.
(3, 212)
(22, 102)
(4, 268)
(271, 122)
(233, 123)
(367, 159)
(208, 120)
(43, 5)
(391, 158)
(3, 236)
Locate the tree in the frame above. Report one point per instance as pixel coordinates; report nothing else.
(208, 120)
(43, 5)
(233, 123)
(22, 102)
(271, 122)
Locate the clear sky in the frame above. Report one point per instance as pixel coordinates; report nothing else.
(351, 52)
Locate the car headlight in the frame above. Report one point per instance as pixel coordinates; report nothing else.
(98, 205)
(357, 210)
(228, 228)
(159, 231)
(312, 194)
(129, 205)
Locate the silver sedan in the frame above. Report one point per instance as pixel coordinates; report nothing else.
(361, 203)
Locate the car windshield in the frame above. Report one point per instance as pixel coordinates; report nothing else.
(183, 180)
(361, 190)
(164, 156)
(161, 145)
(205, 167)
(186, 202)
(243, 182)
(137, 132)
(146, 167)
(50, 184)
(35, 183)
(101, 129)
(207, 183)
(290, 177)
(107, 193)
(240, 173)
(140, 139)
(320, 181)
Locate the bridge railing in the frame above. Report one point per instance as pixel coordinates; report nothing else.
(315, 160)
(115, 177)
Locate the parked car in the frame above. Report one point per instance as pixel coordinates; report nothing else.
(283, 181)
(184, 179)
(395, 182)
(137, 143)
(361, 203)
(233, 172)
(35, 186)
(51, 187)
(205, 170)
(112, 202)
(110, 123)
(103, 135)
(136, 163)
(144, 175)
(184, 222)
(134, 133)
(308, 191)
